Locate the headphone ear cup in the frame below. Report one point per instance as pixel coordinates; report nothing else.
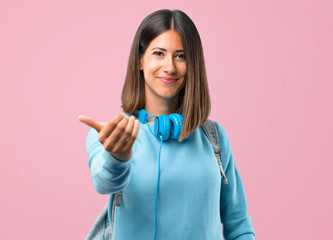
(176, 121)
(142, 115)
(162, 126)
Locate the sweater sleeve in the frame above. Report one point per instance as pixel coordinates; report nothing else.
(108, 174)
(233, 207)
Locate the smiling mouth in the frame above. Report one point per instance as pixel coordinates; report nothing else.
(167, 80)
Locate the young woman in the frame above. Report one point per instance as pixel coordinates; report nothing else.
(171, 186)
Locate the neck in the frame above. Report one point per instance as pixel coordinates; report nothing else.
(161, 107)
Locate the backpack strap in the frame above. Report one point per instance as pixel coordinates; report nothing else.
(210, 130)
(117, 198)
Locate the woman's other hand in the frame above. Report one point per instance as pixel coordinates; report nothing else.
(117, 136)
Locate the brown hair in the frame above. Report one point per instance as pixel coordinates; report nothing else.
(194, 100)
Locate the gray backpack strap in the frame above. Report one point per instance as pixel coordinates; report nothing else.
(210, 130)
(117, 198)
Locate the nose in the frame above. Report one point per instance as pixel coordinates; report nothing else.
(169, 65)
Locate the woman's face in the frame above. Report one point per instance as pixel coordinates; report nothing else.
(164, 67)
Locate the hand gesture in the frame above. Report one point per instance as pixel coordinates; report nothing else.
(117, 136)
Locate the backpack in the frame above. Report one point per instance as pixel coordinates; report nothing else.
(102, 228)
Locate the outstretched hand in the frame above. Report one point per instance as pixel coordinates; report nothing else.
(117, 136)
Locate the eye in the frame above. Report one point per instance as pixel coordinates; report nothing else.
(158, 53)
(180, 56)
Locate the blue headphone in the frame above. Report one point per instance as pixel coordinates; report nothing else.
(166, 126)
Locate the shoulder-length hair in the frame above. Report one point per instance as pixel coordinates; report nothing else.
(194, 100)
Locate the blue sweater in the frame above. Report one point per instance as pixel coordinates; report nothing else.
(192, 200)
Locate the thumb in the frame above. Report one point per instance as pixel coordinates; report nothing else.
(91, 122)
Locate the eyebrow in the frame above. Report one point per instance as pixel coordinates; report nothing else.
(163, 49)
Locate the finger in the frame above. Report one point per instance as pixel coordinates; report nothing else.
(112, 139)
(91, 122)
(134, 135)
(110, 126)
(119, 145)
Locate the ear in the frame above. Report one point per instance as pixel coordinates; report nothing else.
(141, 64)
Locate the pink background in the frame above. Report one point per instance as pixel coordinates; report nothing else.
(270, 73)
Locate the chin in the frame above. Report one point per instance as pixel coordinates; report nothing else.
(169, 97)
